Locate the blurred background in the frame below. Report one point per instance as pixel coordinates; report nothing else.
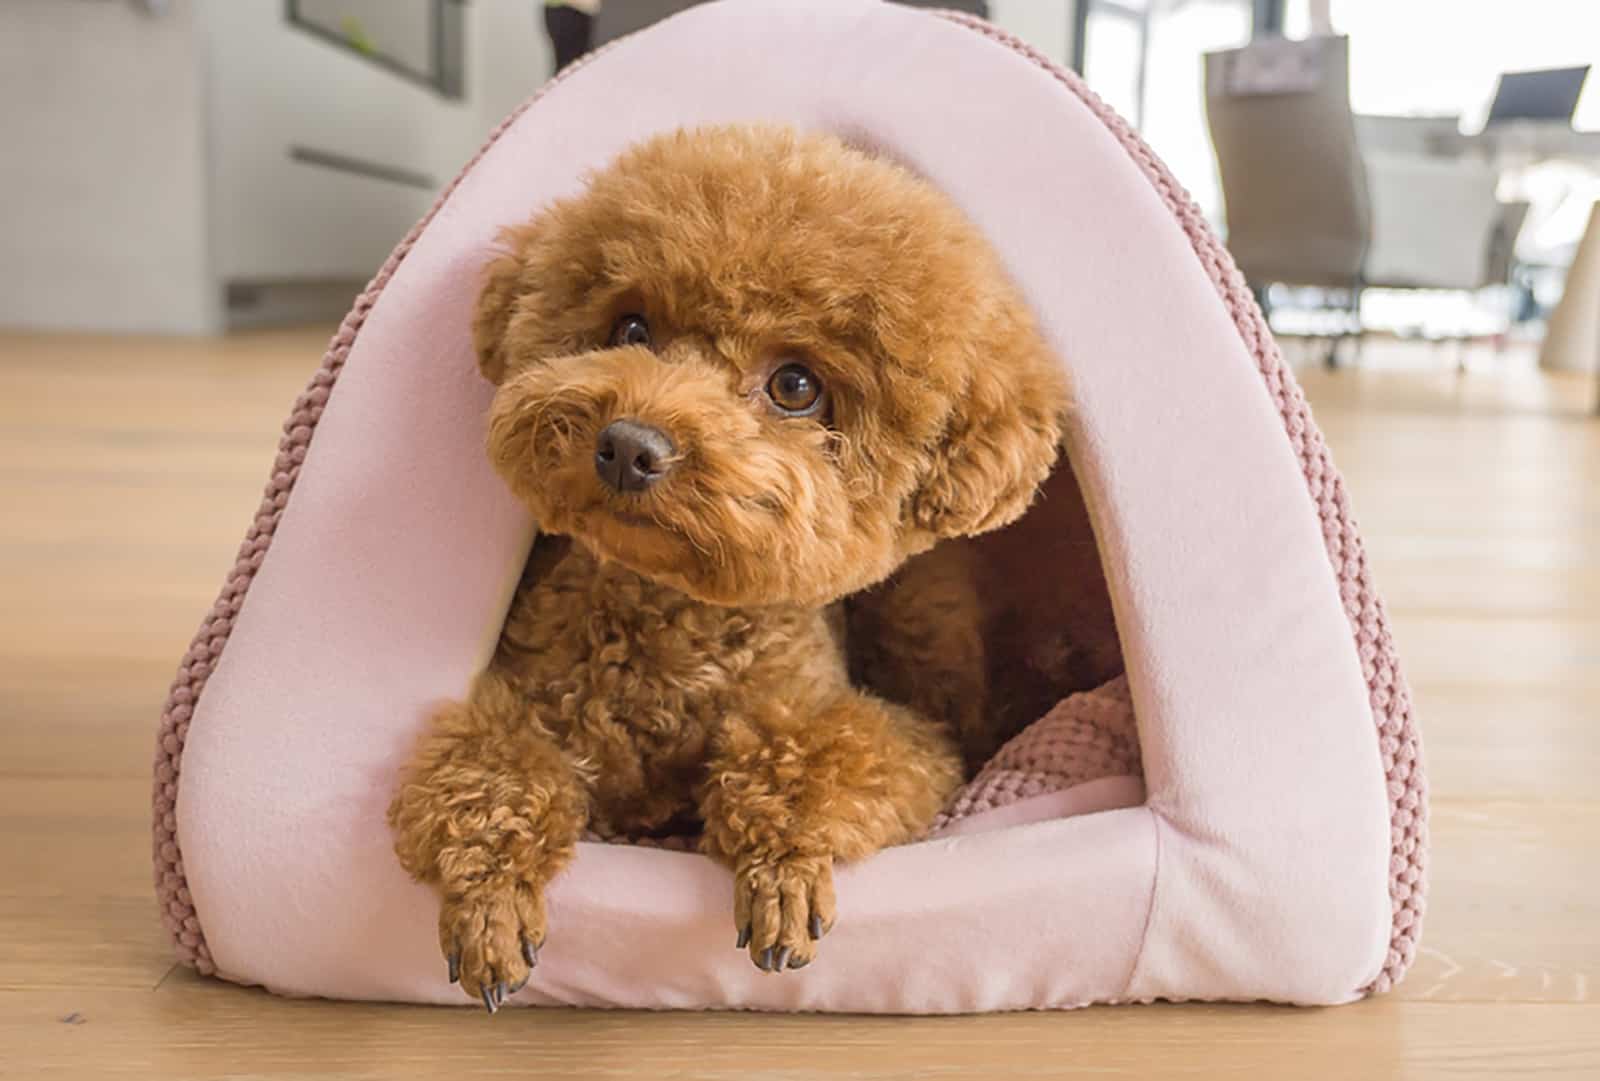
(192, 192)
(1424, 171)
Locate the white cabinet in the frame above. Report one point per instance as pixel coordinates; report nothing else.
(193, 165)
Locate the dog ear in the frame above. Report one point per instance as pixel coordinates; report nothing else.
(497, 303)
(1000, 442)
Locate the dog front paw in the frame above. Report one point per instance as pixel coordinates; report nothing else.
(490, 936)
(781, 908)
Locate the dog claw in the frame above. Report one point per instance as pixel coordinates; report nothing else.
(816, 927)
(453, 962)
(764, 962)
(530, 953)
(744, 938)
(488, 1000)
(800, 962)
(781, 962)
(519, 985)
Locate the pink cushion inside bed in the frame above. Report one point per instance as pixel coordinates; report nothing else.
(1257, 867)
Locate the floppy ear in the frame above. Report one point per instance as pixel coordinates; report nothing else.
(503, 284)
(999, 444)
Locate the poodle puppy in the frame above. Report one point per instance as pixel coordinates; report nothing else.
(745, 373)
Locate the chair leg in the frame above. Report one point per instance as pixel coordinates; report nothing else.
(1357, 329)
(1263, 299)
(1351, 328)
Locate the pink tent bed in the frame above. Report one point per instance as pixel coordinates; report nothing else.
(1245, 818)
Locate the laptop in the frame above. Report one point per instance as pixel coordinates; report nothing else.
(1549, 95)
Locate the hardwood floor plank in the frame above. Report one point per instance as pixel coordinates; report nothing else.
(190, 1030)
(129, 469)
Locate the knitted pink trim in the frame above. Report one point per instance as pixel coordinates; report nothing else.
(1390, 698)
(1398, 739)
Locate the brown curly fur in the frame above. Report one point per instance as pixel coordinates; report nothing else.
(675, 654)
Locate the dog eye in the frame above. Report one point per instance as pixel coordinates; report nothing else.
(630, 330)
(795, 389)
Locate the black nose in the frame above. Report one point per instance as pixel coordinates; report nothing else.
(630, 456)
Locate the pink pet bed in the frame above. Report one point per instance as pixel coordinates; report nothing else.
(1274, 847)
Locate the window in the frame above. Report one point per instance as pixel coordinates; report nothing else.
(1146, 58)
(1443, 57)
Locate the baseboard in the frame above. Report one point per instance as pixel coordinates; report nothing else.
(267, 304)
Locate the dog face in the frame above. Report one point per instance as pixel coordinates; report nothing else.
(763, 367)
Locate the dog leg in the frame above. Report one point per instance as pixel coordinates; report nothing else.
(917, 639)
(789, 793)
(488, 811)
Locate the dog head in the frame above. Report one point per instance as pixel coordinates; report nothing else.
(763, 367)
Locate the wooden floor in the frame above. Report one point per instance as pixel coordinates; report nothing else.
(128, 470)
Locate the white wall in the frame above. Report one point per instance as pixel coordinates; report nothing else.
(101, 171)
(508, 58)
(145, 158)
(1044, 24)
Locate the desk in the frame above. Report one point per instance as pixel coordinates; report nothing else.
(1521, 142)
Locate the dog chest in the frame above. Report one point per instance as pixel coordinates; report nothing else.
(607, 654)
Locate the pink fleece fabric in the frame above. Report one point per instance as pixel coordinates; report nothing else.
(1258, 865)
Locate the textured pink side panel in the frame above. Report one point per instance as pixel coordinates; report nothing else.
(1086, 737)
(172, 891)
(1398, 739)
